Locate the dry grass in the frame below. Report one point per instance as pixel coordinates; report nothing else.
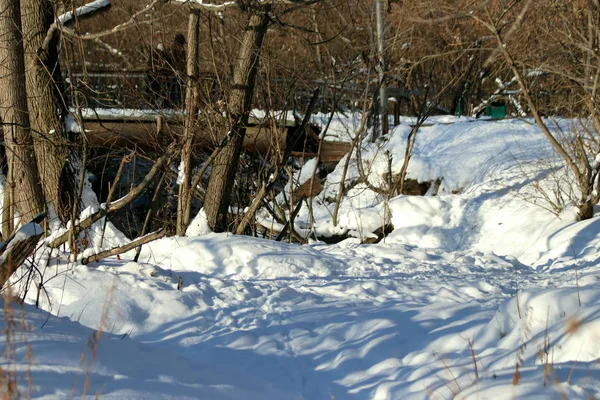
(16, 384)
(572, 326)
(15, 332)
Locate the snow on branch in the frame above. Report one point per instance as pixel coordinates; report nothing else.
(83, 10)
(115, 29)
(211, 6)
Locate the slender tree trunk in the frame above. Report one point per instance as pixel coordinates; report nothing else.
(191, 105)
(317, 47)
(27, 193)
(47, 109)
(8, 215)
(383, 104)
(218, 194)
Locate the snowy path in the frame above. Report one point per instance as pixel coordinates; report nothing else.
(382, 321)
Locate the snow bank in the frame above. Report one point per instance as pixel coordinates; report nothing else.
(466, 288)
(245, 258)
(491, 164)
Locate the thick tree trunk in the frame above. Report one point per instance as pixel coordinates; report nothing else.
(191, 105)
(18, 249)
(218, 193)
(46, 107)
(27, 193)
(586, 211)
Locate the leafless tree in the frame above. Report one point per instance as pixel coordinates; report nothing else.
(23, 177)
(46, 105)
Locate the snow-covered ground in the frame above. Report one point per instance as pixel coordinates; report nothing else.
(479, 295)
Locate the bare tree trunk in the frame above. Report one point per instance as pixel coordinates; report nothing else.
(317, 47)
(122, 249)
(13, 114)
(15, 254)
(8, 214)
(47, 109)
(184, 201)
(383, 105)
(218, 193)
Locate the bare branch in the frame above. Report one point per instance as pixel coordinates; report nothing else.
(533, 107)
(92, 36)
(106, 209)
(446, 18)
(516, 24)
(288, 151)
(208, 6)
(129, 246)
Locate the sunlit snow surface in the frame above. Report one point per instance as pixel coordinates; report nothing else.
(465, 288)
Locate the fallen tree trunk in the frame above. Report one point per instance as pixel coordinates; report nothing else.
(259, 138)
(18, 247)
(107, 209)
(129, 246)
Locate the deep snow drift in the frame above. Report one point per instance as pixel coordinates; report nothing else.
(480, 294)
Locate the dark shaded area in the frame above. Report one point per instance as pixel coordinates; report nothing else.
(104, 165)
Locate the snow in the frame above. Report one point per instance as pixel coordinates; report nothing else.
(116, 113)
(214, 7)
(300, 177)
(85, 9)
(180, 172)
(481, 159)
(23, 233)
(26, 231)
(479, 294)
(199, 225)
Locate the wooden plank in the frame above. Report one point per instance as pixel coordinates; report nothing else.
(334, 151)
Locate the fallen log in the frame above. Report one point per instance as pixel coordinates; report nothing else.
(150, 132)
(107, 209)
(125, 248)
(18, 247)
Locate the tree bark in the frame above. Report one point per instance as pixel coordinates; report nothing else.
(184, 201)
(47, 109)
(218, 193)
(20, 154)
(18, 250)
(8, 211)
